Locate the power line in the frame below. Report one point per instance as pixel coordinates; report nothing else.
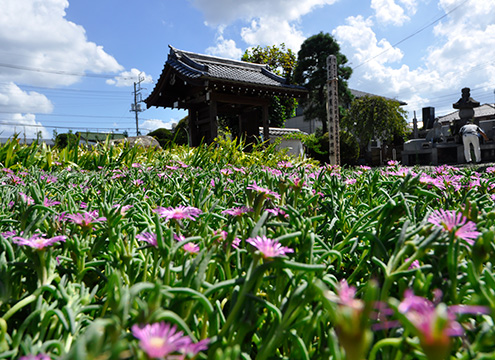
(413, 34)
(2, 122)
(61, 72)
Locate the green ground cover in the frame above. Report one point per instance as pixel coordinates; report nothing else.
(212, 253)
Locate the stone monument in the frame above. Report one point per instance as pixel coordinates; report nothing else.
(465, 105)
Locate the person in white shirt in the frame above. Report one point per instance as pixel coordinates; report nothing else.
(471, 135)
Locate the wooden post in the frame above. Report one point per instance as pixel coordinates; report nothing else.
(193, 127)
(333, 110)
(266, 129)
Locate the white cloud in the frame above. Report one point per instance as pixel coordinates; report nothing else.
(36, 35)
(224, 12)
(270, 22)
(388, 12)
(25, 126)
(17, 108)
(273, 31)
(225, 48)
(153, 124)
(128, 78)
(14, 99)
(361, 41)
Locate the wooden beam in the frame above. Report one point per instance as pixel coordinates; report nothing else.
(239, 99)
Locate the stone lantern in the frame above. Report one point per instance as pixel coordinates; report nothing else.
(465, 105)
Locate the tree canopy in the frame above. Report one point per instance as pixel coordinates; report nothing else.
(311, 71)
(375, 117)
(282, 62)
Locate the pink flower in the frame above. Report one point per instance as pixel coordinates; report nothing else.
(237, 211)
(86, 219)
(35, 357)
(451, 221)
(269, 248)
(191, 248)
(179, 213)
(27, 199)
(350, 316)
(50, 202)
(179, 237)
(148, 237)
(235, 243)
(123, 208)
(285, 164)
(194, 348)
(49, 178)
(434, 325)
(350, 181)
(8, 234)
(277, 212)
(414, 265)
(160, 339)
(262, 190)
(346, 297)
(37, 241)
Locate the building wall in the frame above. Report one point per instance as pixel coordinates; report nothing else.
(298, 122)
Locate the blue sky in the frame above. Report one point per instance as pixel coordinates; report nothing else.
(72, 63)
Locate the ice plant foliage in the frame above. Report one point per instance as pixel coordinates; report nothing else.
(456, 223)
(88, 280)
(37, 241)
(269, 248)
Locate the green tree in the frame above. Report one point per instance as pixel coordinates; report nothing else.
(374, 117)
(163, 136)
(282, 62)
(181, 134)
(66, 139)
(311, 71)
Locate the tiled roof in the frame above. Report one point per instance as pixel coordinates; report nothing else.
(282, 131)
(479, 112)
(194, 66)
(358, 94)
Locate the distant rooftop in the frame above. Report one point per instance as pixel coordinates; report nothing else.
(483, 111)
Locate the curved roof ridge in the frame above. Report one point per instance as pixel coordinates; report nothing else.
(217, 59)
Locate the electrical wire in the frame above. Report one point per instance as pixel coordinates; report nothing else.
(413, 34)
(61, 72)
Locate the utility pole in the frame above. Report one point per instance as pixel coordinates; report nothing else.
(333, 110)
(138, 99)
